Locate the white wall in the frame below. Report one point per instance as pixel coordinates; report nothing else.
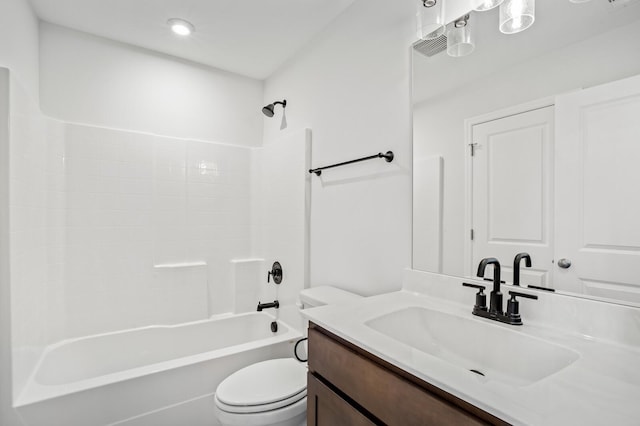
(5, 293)
(281, 213)
(7, 414)
(351, 85)
(28, 233)
(92, 80)
(438, 123)
(19, 54)
(19, 44)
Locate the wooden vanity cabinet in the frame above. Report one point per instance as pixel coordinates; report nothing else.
(349, 386)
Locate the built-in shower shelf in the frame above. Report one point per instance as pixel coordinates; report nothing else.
(180, 265)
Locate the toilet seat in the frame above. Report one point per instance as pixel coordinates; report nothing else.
(260, 408)
(264, 386)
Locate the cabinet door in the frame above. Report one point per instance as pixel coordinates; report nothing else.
(387, 396)
(326, 408)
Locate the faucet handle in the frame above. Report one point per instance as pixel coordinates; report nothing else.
(275, 272)
(513, 295)
(513, 307)
(481, 298)
(478, 286)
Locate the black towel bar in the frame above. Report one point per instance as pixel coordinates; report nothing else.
(388, 157)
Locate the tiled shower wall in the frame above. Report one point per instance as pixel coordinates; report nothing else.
(142, 228)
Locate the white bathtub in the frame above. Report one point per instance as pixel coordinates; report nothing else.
(146, 376)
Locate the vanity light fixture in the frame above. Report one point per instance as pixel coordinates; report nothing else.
(430, 19)
(488, 5)
(460, 40)
(516, 15)
(181, 27)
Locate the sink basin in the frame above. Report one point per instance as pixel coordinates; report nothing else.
(483, 348)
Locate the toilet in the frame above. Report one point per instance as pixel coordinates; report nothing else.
(273, 392)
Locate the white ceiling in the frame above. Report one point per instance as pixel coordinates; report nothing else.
(248, 37)
(558, 23)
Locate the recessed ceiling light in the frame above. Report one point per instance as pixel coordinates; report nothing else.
(181, 27)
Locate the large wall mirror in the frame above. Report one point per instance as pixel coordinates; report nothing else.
(531, 143)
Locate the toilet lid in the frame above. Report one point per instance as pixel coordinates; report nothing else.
(264, 383)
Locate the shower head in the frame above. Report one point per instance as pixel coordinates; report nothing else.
(268, 110)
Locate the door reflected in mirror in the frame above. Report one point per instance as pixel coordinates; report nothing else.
(530, 144)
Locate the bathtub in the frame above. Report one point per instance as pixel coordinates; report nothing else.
(147, 375)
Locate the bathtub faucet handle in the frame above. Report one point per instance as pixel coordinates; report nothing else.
(275, 272)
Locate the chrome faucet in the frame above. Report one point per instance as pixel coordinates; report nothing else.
(495, 312)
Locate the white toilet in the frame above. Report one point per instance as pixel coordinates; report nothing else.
(273, 392)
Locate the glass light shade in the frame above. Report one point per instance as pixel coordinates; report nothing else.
(430, 20)
(460, 41)
(516, 15)
(488, 5)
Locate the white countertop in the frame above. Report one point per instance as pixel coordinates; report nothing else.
(601, 387)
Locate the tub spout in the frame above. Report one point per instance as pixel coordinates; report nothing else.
(262, 306)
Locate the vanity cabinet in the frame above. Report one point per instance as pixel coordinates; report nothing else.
(349, 386)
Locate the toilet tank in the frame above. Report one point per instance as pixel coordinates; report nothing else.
(325, 295)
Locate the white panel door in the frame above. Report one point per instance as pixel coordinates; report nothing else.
(598, 190)
(512, 193)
